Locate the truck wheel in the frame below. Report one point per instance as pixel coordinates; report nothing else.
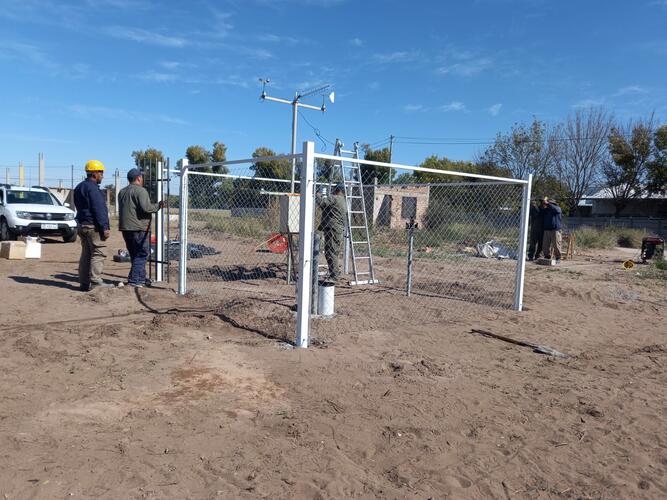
(70, 236)
(5, 233)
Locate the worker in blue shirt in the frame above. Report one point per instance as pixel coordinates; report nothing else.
(93, 218)
(552, 220)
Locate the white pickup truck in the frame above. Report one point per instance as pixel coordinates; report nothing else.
(36, 212)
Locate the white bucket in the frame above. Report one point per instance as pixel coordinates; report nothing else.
(326, 299)
(33, 248)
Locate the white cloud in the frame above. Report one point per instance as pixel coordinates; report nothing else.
(466, 68)
(120, 4)
(357, 42)
(170, 64)
(156, 76)
(260, 54)
(495, 109)
(453, 106)
(397, 57)
(462, 62)
(144, 36)
(25, 52)
(271, 38)
(108, 113)
(630, 90)
(589, 103)
(413, 108)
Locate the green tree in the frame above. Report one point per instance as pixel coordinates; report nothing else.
(147, 161)
(197, 155)
(151, 156)
(219, 154)
(630, 152)
(657, 167)
(272, 169)
(370, 172)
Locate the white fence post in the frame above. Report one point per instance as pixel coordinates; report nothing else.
(523, 240)
(183, 231)
(159, 227)
(306, 211)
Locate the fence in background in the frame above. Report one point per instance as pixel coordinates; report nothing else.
(654, 226)
(468, 240)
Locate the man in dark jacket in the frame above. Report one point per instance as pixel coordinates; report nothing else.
(536, 231)
(93, 218)
(332, 225)
(134, 217)
(553, 241)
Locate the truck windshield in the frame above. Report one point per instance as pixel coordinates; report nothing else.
(30, 197)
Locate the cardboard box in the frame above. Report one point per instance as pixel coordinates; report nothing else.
(13, 250)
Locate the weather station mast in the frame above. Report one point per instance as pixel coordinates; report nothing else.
(296, 104)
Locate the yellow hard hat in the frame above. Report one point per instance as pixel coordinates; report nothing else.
(94, 166)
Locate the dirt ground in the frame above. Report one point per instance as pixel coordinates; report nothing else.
(124, 393)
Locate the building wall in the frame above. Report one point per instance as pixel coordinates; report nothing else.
(65, 195)
(634, 208)
(387, 205)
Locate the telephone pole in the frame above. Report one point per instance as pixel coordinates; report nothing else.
(391, 149)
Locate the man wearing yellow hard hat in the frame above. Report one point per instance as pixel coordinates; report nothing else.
(93, 218)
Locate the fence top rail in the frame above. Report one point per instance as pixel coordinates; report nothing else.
(233, 176)
(421, 169)
(398, 185)
(239, 162)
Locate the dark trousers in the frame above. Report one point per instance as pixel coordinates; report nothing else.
(137, 246)
(535, 245)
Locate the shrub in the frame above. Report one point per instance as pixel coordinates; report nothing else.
(630, 238)
(608, 237)
(591, 237)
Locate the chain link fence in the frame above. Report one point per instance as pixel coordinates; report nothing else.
(392, 244)
(241, 230)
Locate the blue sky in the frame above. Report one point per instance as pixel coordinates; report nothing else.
(99, 78)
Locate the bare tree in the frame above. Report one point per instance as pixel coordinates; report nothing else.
(583, 151)
(626, 170)
(531, 149)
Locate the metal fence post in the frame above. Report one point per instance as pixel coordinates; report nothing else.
(523, 239)
(183, 231)
(306, 211)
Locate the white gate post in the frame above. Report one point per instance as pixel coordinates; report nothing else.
(183, 231)
(523, 239)
(306, 212)
(159, 227)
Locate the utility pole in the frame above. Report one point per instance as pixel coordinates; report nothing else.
(21, 174)
(116, 189)
(42, 170)
(7, 179)
(296, 103)
(391, 149)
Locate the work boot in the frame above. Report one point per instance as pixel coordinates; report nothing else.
(101, 284)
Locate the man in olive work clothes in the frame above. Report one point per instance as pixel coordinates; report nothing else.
(135, 212)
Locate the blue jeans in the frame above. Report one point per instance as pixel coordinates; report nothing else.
(137, 246)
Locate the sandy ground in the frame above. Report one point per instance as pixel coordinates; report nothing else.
(129, 393)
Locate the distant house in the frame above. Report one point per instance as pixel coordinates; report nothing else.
(391, 206)
(601, 204)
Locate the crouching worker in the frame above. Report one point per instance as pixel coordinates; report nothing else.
(332, 225)
(134, 211)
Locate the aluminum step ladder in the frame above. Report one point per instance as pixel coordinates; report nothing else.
(357, 236)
